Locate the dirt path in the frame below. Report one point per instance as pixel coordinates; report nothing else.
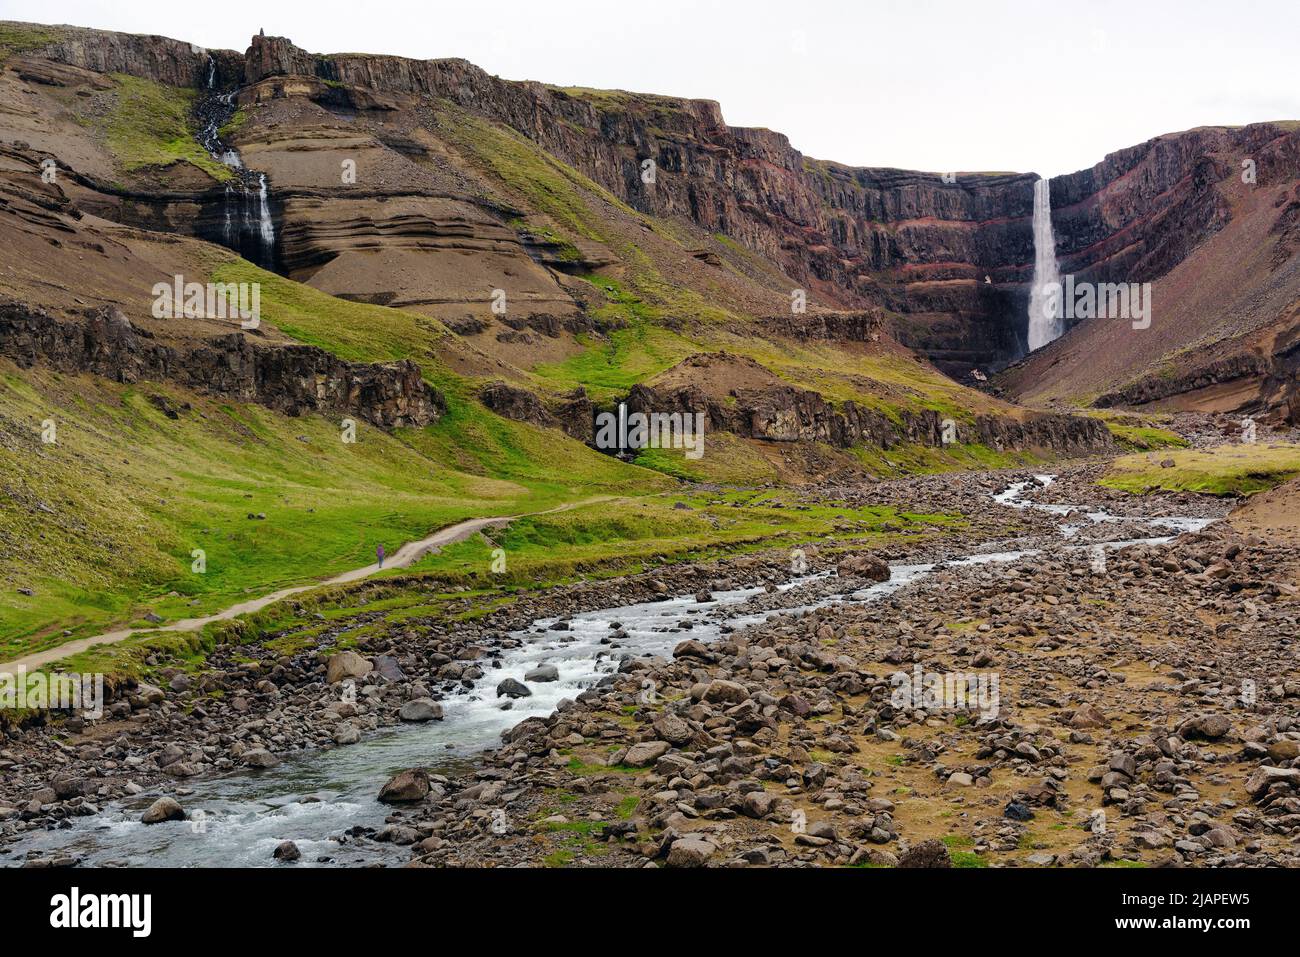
(408, 554)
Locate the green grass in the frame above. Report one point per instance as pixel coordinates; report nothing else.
(101, 525)
(18, 38)
(548, 185)
(1234, 469)
(1139, 433)
(151, 124)
(913, 459)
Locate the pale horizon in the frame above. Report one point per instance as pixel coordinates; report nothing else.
(930, 86)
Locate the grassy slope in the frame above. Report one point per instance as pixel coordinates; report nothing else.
(150, 124)
(598, 540)
(1236, 469)
(101, 525)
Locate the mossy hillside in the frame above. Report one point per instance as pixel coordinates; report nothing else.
(910, 459)
(151, 124)
(20, 38)
(468, 437)
(1226, 470)
(652, 308)
(101, 525)
(1135, 432)
(636, 533)
(597, 540)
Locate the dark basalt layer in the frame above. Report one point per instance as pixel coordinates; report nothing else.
(291, 379)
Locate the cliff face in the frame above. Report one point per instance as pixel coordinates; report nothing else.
(800, 415)
(289, 379)
(950, 256)
(907, 241)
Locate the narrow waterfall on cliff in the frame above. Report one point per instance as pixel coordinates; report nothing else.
(1044, 311)
(245, 220)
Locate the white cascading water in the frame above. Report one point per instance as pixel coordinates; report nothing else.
(1044, 312)
(267, 227)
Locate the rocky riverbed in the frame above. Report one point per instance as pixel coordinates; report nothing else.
(1134, 704)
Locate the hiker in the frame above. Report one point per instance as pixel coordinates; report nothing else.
(379, 553)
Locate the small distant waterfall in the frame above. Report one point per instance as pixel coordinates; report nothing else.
(1044, 311)
(264, 224)
(247, 225)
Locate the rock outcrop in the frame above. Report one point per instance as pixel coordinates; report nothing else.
(293, 379)
(780, 413)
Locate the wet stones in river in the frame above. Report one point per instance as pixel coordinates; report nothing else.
(510, 688)
(421, 709)
(287, 851)
(163, 809)
(406, 787)
(543, 673)
(260, 758)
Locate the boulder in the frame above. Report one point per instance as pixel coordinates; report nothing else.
(690, 851)
(405, 787)
(543, 673)
(646, 753)
(260, 758)
(163, 809)
(863, 566)
(511, 688)
(346, 664)
(420, 709)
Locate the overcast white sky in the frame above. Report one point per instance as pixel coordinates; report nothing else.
(937, 85)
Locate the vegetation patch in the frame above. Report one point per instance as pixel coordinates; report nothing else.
(1227, 470)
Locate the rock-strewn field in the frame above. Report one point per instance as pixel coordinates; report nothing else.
(1144, 709)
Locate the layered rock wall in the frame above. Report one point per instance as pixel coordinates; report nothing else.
(291, 379)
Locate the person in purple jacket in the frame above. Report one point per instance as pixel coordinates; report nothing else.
(379, 553)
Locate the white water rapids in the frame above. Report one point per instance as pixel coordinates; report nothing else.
(314, 797)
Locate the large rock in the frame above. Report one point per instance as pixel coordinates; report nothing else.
(346, 664)
(260, 758)
(543, 674)
(510, 688)
(646, 753)
(420, 709)
(406, 787)
(163, 809)
(1211, 727)
(863, 566)
(690, 851)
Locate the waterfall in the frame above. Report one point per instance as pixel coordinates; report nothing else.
(265, 226)
(212, 73)
(247, 225)
(1044, 312)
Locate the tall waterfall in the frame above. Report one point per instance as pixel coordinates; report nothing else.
(265, 226)
(246, 224)
(1044, 312)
